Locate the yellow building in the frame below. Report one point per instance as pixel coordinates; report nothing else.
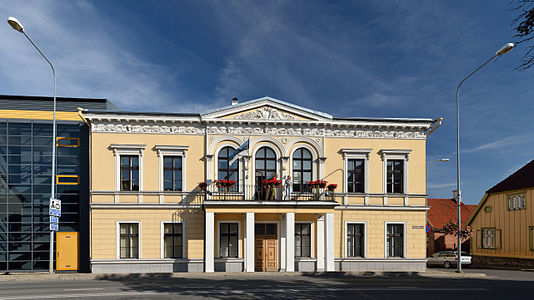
(503, 222)
(149, 214)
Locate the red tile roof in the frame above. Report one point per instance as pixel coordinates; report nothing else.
(444, 210)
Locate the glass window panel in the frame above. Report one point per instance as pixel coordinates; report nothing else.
(135, 161)
(297, 165)
(167, 162)
(307, 176)
(259, 229)
(233, 228)
(167, 175)
(305, 228)
(260, 164)
(271, 229)
(42, 141)
(42, 130)
(271, 165)
(306, 154)
(224, 228)
(224, 246)
(178, 162)
(19, 129)
(269, 153)
(125, 161)
(307, 165)
(178, 175)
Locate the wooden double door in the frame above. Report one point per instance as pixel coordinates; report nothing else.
(266, 248)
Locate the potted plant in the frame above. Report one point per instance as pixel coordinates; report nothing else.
(270, 186)
(331, 188)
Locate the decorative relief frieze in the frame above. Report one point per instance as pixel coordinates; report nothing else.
(265, 113)
(255, 130)
(137, 128)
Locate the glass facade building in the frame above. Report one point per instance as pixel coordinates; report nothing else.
(25, 182)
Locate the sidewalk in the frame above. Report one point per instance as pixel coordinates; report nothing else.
(430, 273)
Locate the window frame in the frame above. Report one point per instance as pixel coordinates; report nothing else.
(312, 160)
(131, 169)
(127, 149)
(364, 250)
(173, 169)
(522, 198)
(175, 151)
(239, 167)
(118, 241)
(239, 242)
(395, 154)
(162, 239)
(404, 240)
(487, 229)
(312, 238)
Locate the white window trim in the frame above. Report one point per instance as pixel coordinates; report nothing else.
(240, 183)
(278, 160)
(356, 154)
(239, 241)
(404, 239)
(517, 201)
(166, 151)
(162, 245)
(365, 238)
(315, 161)
(118, 151)
(118, 239)
(312, 238)
(395, 154)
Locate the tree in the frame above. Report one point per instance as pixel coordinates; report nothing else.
(524, 26)
(452, 229)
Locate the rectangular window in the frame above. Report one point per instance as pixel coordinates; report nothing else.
(395, 240)
(228, 239)
(355, 240)
(173, 240)
(129, 173)
(516, 202)
(489, 238)
(172, 173)
(129, 240)
(395, 176)
(303, 240)
(355, 175)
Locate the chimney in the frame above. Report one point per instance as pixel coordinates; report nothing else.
(235, 101)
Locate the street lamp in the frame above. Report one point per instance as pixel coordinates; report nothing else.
(503, 50)
(15, 24)
(428, 167)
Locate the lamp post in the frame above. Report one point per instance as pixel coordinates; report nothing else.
(15, 24)
(503, 50)
(428, 167)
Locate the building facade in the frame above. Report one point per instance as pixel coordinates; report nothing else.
(441, 212)
(503, 222)
(150, 212)
(26, 174)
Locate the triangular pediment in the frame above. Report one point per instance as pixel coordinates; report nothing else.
(267, 109)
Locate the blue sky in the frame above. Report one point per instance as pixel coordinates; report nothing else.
(346, 58)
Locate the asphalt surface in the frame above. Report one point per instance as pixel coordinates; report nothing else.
(497, 284)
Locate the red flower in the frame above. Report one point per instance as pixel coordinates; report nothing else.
(202, 185)
(331, 187)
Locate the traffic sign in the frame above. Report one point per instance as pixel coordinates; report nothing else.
(54, 227)
(54, 219)
(55, 204)
(55, 212)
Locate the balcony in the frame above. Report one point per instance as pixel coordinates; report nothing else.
(262, 193)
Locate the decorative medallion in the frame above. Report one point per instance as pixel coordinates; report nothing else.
(265, 113)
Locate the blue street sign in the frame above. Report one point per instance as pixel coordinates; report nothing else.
(54, 219)
(55, 212)
(428, 229)
(54, 227)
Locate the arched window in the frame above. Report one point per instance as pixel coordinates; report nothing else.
(302, 169)
(225, 170)
(265, 168)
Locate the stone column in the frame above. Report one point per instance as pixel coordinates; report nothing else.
(249, 242)
(320, 243)
(282, 242)
(209, 237)
(290, 242)
(329, 239)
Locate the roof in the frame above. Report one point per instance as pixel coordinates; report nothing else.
(521, 179)
(444, 210)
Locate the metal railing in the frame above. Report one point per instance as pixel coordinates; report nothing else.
(249, 192)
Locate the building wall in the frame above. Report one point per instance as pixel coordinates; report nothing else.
(515, 241)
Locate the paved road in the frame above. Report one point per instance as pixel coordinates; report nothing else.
(498, 285)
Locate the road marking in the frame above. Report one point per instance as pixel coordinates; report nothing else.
(83, 289)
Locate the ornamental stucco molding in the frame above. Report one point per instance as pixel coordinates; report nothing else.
(258, 130)
(265, 113)
(139, 128)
